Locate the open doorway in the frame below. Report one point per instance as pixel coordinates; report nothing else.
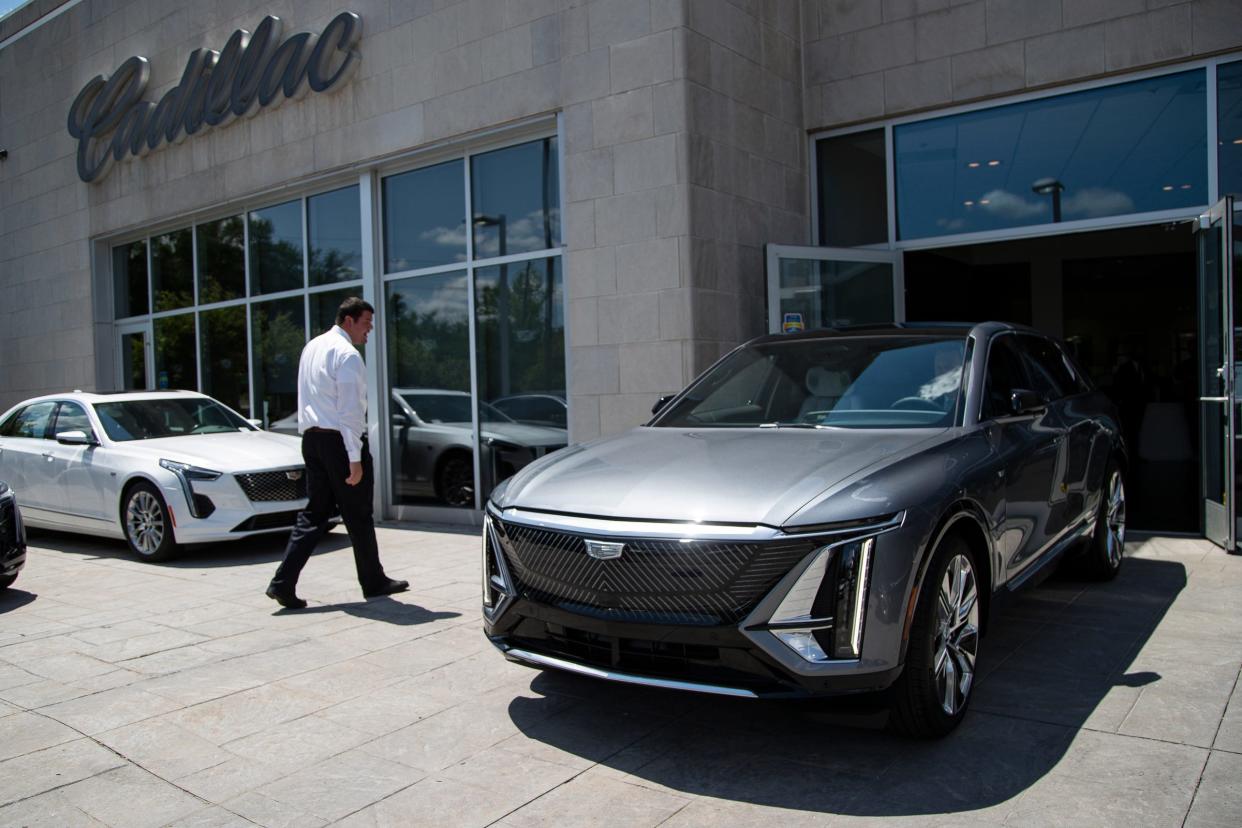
(1125, 302)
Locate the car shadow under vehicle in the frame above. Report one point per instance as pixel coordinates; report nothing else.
(1047, 666)
(14, 598)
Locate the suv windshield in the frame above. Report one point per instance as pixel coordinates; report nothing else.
(126, 420)
(847, 382)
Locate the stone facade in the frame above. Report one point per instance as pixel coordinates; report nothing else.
(868, 59)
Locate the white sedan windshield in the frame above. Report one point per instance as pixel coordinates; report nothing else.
(149, 419)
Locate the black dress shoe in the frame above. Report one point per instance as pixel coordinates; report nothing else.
(286, 599)
(389, 587)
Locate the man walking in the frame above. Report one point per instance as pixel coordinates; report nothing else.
(332, 398)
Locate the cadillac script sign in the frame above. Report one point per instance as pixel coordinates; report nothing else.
(110, 119)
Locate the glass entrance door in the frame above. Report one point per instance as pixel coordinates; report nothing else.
(1218, 395)
(831, 287)
(133, 365)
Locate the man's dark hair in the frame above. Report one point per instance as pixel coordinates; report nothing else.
(353, 307)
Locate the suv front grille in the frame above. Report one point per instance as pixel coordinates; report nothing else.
(9, 540)
(697, 582)
(274, 485)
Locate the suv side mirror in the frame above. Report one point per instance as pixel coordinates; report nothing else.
(660, 403)
(1025, 401)
(76, 438)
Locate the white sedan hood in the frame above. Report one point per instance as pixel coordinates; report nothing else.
(239, 451)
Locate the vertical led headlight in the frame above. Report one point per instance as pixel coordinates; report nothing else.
(497, 587)
(821, 617)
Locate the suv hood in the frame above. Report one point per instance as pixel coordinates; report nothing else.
(223, 452)
(752, 476)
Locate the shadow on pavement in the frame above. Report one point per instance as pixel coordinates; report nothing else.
(383, 609)
(1051, 657)
(267, 548)
(12, 598)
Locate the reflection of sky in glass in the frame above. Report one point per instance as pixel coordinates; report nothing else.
(424, 218)
(1229, 126)
(276, 248)
(515, 191)
(427, 332)
(335, 236)
(1132, 148)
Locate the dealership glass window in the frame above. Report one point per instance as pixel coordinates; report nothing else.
(514, 195)
(1057, 159)
(853, 189)
(221, 260)
(175, 352)
(217, 344)
(1229, 128)
(276, 248)
(520, 353)
(511, 272)
(129, 279)
(428, 342)
(222, 340)
(172, 270)
(832, 294)
(335, 231)
(279, 333)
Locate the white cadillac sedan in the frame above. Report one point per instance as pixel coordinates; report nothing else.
(159, 469)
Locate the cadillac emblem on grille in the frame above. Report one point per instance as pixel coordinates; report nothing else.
(602, 550)
(295, 474)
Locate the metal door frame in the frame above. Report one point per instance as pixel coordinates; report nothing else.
(1215, 514)
(120, 331)
(775, 252)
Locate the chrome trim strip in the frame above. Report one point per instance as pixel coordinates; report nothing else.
(627, 678)
(621, 528)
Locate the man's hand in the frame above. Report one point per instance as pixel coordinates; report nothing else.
(355, 473)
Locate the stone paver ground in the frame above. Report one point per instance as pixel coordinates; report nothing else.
(135, 694)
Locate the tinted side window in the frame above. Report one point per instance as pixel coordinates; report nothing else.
(1005, 373)
(32, 421)
(72, 417)
(8, 428)
(1050, 374)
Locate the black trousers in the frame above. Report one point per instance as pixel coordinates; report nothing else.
(327, 466)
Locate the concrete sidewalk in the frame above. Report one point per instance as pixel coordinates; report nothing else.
(135, 694)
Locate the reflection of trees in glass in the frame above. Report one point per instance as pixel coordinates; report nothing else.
(332, 265)
(223, 345)
(174, 352)
(221, 260)
(172, 270)
(129, 279)
(521, 334)
(275, 260)
(324, 305)
(278, 341)
(428, 335)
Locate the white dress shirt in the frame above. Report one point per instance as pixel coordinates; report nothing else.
(332, 389)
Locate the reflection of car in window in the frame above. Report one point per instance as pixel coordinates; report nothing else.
(819, 513)
(535, 409)
(432, 438)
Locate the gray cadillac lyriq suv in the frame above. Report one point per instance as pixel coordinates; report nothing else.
(821, 513)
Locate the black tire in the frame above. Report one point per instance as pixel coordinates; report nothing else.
(455, 480)
(145, 521)
(919, 701)
(8, 580)
(1101, 561)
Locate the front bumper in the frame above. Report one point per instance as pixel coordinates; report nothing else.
(728, 656)
(12, 536)
(229, 511)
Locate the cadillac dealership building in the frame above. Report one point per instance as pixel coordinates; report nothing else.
(563, 210)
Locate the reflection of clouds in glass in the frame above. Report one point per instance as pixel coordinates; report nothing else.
(445, 236)
(951, 224)
(523, 235)
(1007, 205)
(446, 300)
(1091, 202)
(941, 384)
